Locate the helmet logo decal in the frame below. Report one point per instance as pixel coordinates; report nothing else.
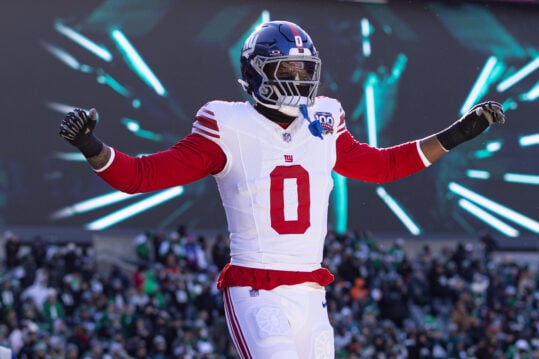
(249, 46)
(299, 43)
(297, 38)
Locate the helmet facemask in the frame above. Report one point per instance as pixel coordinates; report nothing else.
(287, 82)
(280, 67)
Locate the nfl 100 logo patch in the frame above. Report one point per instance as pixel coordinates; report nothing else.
(326, 121)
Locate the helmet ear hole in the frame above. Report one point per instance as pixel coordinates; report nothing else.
(264, 90)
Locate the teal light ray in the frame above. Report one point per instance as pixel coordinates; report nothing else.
(372, 135)
(399, 66)
(134, 209)
(136, 62)
(70, 156)
(518, 76)
(532, 94)
(496, 207)
(487, 218)
(529, 140)
(105, 79)
(509, 104)
(480, 86)
(494, 146)
(399, 211)
(66, 58)
(134, 127)
(521, 178)
(490, 149)
(481, 154)
(63, 108)
(92, 204)
(478, 174)
(340, 203)
(365, 35)
(99, 50)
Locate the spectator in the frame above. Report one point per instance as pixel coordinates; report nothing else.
(494, 313)
(143, 248)
(519, 350)
(71, 258)
(52, 308)
(159, 348)
(30, 340)
(172, 244)
(419, 296)
(38, 249)
(72, 351)
(39, 291)
(7, 298)
(393, 303)
(195, 257)
(220, 251)
(12, 248)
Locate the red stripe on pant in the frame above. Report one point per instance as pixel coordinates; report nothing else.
(235, 329)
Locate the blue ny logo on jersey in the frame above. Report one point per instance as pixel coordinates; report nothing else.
(326, 121)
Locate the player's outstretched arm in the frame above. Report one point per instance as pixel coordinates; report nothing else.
(77, 128)
(473, 123)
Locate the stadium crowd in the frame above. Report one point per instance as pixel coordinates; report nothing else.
(384, 303)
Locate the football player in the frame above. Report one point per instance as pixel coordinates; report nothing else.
(272, 160)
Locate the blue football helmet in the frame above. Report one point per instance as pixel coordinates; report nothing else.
(280, 67)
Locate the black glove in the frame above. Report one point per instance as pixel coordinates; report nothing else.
(471, 124)
(77, 128)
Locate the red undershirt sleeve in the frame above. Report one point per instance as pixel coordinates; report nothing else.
(370, 164)
(192, 158)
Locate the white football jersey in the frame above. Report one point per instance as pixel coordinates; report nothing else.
(276, 183)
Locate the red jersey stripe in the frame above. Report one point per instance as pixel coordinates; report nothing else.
(208, 122)
(295, 32)
(207, 133)
(211, 113)
(341, 122)
(237, 334)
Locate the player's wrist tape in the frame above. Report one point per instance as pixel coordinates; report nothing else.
(461, 131)
(450, 138)
(90, 148)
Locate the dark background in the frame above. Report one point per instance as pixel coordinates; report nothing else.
(187, 44)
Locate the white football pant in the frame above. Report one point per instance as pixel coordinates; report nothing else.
(288, 322)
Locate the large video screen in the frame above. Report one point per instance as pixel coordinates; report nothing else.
(401, 71)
